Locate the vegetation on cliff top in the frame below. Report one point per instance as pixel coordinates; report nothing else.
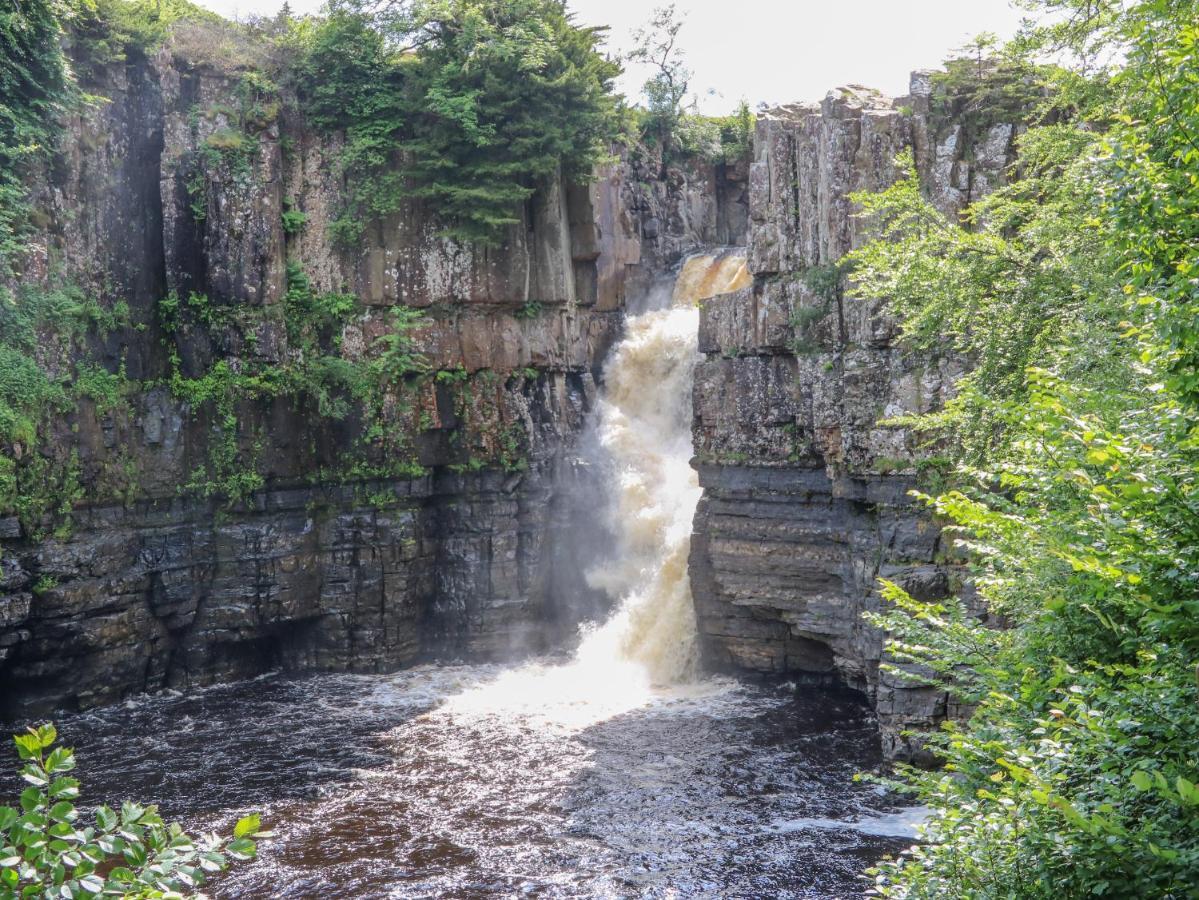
(1077, 497)
(483, 99)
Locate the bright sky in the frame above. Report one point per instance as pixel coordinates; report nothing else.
(778, 51)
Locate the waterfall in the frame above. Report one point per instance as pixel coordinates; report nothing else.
(643, 430)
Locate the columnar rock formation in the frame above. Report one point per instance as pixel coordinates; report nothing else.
(470, 546)
(322, 568)
(805, 498)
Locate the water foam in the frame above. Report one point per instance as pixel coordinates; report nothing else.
(647, 647)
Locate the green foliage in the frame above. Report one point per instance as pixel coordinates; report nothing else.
(397, 356)
(483, 99)
(694, 136)
(1074, 499)
(981, 89)
(530, 310)
(1027, 268)
(105, 32)
(802, 319)
(293, 221)
(827, 281)
(109, 391)
(227, 141)
(46, 850)
(45, 372)
(736, 133)
(512, 448)
(718, 139)
(314, 376)
(34, 91)
(1071, 777)
(221, 390)
(43, 584)
(197, 194)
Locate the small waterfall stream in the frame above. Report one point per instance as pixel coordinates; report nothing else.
(617, 772)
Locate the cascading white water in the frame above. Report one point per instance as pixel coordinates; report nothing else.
(643, 427)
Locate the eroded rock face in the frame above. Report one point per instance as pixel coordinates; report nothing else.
(160, 191)
(805, 500)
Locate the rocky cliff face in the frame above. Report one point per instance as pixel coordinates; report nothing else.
(341, 558)
(805, 498)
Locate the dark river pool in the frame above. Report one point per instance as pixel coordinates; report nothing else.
(486, 781)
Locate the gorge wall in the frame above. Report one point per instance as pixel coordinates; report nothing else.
(346, 552)
(805, 501)
(444, 520)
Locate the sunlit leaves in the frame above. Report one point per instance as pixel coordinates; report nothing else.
(45, 851)
(1073, 293)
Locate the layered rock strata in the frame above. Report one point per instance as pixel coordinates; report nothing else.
(805, 502)
(167, 191)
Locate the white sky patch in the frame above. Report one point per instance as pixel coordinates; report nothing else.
(777, 51)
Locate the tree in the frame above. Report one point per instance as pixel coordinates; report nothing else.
(484, 99)
(656, 45)
(1077, 487)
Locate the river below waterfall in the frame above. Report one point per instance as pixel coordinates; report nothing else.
(407, 785)
(615, 771)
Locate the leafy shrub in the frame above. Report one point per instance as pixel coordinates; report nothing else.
(1077, 439)
(47, 851)
(398, 356)
(293, 221)
(227, 140)
(698, 136)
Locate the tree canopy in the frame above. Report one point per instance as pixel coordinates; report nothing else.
(484, 100)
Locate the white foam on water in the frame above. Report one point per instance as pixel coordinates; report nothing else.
(903, 823)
